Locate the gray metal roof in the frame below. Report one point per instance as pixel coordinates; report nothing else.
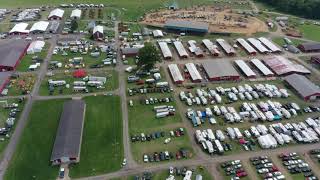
(187, 24)
(69, 133)
(302, 85)
(219, 69)
(4, 76)
(10, 51)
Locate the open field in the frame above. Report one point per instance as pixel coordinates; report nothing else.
(280, 41)
(36, 144)
(310, 31)
(111, 84)
(102, 147)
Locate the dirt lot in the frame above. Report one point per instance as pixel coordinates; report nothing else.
(219, 20)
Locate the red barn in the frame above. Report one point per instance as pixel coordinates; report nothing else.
(11, 53)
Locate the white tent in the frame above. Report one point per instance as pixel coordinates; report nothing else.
(157, 33)
(35, 47)
(56, 13)
(76, 14)
(40, 26)
(20, 28)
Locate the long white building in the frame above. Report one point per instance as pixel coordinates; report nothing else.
(165, 50)
(180, 49)
(175, 73)
(258, 45)
(194, 73)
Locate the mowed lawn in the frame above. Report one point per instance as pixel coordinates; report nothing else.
(32, 156)
(310, 31)
(102, 147)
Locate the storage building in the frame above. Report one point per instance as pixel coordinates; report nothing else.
(175, 73)
(56, 14)
(35, 47)
(54, 27)
(19, 29)
(180, 49)
(98, 33)
(39, 27)
(165, 50)
(270, 45)
(75, 14)
(194, 73)
(213, 49)
(228, 49)
(309, 47)
(250, 50)
(157, 33)
(283, 66)
(245, 69)
(130, 51)
(11, 53)
(67, 145)
(303, 86)
(258, 45)
(187, 26)
(220, 70)
(262, 68)
(193, 48)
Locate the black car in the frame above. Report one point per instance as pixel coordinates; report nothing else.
(163, 134)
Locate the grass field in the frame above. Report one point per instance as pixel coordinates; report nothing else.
(310, 31)
(280, 41)
(102, 148)
(31, 158)
(111, 84)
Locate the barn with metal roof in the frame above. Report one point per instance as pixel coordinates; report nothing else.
(303, 86)
(11, 53)
(250, 50)
(284, 66)
(270, 45)
(165, 50)
(258, 45)
(67, 145)
(76, 14)
(194, 73)
(180, 49)
(56, 14)
(261, 67)
(98, 33)
(220, 71)
(309, 47)
(39, 27)
(228, 49)
(19, 29)
(245, 69)
(186, 26)
(175, 73)
(213, 49)
(193, 48)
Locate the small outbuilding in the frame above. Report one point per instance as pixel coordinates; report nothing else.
(157, 33)
(309, 47)
(303, 86)
(75, 14)
(98, 33)
(56, 14)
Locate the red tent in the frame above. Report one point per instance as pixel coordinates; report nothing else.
(79, 73)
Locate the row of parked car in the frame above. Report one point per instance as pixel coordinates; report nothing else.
(266, 168)
(246, 92)
(234, 169)
(157, 100)
(315, 153)
(165, 156)
(143, 90)
(156, 135)
(13, 111)
(296, 165)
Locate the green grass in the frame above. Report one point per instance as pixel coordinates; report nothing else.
(280, 41)
(26, 61)
(111, 84)
(31, 158)
(310, 31)
(21, 85)
(102, 147)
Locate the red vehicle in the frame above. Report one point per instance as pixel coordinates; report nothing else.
(242, 174)
(177, 133)
(178, 155)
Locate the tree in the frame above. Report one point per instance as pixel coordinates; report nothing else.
(148, 56)
(74, 25)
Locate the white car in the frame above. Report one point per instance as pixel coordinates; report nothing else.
(168, 140)
(145, 158)
(124, 163)
(171, 169)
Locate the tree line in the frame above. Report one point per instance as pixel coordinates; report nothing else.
(304, 8)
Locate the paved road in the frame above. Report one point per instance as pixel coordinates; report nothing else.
(204, 162)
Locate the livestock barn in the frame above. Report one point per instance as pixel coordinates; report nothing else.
(193, 48)
(309, 47)
(194, 73)
(175, 73)
(165, 50)
(262, 68)
(67, 145)
(250, 50)
(282, 66)
(19, 29)
(180, 49)
(213, 49)
(220, 71)
(187, 26)
(245, 69)
(228, 49)
(39, 27)
(258, 45)
(11, 53)
(270, 45)
(303, 86)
